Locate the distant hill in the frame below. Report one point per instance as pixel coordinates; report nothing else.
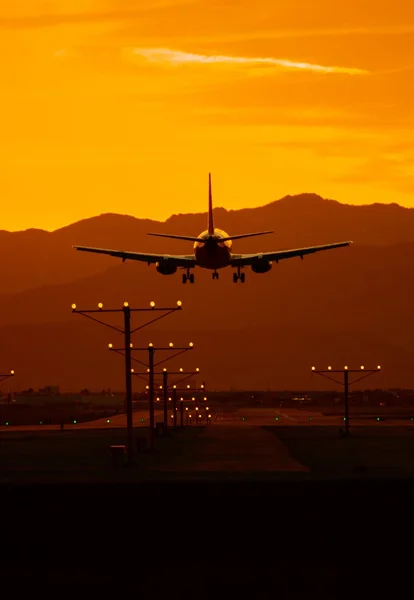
(33, 258)
(348, 306)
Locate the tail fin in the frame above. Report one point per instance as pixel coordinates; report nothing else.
(210, 208)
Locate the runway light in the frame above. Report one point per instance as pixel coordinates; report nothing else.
(199, 416)
(7, 423)
(197, 370)
(12, 372)
(242, 418)
(41, 422)
(181, 369)
(313, 368)
(329, 368)
(181, 399)
(152, 304)
(202, 386)
(276, 418)
(191, 344)
(148, 370)
(73, 306)
(378, 418)
(169, 399)
(74, 422)
(150, 345)
(108, 421)
(160, 387)
(205, 398)
(164, 370)
(158, 399)
(142, 420)
(344, 418)
(379, 367)
(132, 370)
(209, 416)
(147, 387)
(346, 368)
(179, 303)
(174, 387)
(196, 407)
(362, 367)
(131, 345)
(100, 306)
(171, 344)
(193, 399)
(186, 408)
(126, 304)
(188, 386)
(110, 346)
(206, 407)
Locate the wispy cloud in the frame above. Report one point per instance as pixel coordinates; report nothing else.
(175, 57)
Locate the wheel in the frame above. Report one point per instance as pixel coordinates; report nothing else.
(242, 277)
(191, 277)
(235, 277)
(184, 278)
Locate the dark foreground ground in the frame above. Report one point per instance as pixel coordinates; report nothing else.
(275, 512)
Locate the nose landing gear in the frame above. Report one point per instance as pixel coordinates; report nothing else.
(238, 275)
(189, 276)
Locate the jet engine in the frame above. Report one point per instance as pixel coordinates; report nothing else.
(166, 268)
(261, 266)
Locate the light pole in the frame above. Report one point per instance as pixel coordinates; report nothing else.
(346, 384)
(151, 349)
(127, 332)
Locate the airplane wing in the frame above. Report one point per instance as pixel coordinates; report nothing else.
(248, 259)
(177, 260)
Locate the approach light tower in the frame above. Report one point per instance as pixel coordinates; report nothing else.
(127, 332)
(346, 383)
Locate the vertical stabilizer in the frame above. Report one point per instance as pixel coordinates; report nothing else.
(210, 208)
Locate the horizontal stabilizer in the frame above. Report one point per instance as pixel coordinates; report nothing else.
(243, 235)
(176, 237)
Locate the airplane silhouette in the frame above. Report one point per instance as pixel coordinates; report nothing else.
(212, 250)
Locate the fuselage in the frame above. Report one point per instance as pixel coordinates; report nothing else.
(211, 253)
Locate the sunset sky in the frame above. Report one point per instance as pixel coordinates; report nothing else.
(125, 106)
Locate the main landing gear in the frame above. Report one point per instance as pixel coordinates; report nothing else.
(215, 275)
(238, 275)
(189, 276)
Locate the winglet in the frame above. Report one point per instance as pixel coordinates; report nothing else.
(210, 208)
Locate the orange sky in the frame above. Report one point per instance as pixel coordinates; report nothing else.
(124, 106)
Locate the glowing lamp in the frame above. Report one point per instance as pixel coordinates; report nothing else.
(12, 372)
(181, 369)
(152, 304)
(362, 367)
(179, 303)
(110, 346)
(329, 368)
(147, 387)
(132, 370)
(197, 370)
(175, 387)
(313, 368)
(73, 306)
(126, 304)
(165, 370)
(150, 345)
(191, 344)
(171, 344)
(188, 386)
(186, 408)
(346, 368)
(100, 305)
(205, 398)
(379, 367)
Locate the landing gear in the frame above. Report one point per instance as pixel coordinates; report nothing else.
(189, 276)
(238, 275)
(215, 275)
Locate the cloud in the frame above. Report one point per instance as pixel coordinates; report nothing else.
(175, 57)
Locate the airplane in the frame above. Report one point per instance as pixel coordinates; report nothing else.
(212, 250)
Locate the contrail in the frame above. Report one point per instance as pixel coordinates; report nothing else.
(165, 55)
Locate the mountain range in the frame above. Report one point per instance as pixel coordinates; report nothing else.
(346, 306)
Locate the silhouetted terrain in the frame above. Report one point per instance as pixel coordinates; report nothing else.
(33, 258)
(347, 306)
